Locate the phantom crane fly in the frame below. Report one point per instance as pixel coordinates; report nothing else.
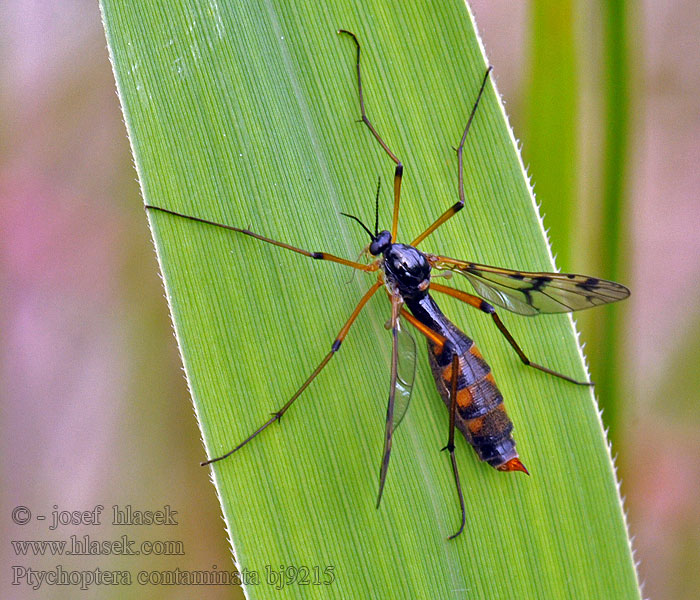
(462, 376)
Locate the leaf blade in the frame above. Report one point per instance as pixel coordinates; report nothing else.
(247, 118)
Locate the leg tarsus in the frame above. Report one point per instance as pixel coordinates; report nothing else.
(525, 360)
(262, 238)
(453, 210)
(461, 496)
(450, 446)
(364, 118)
(277, 416)
(487, 308)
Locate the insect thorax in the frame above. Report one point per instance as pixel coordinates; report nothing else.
(407, 270)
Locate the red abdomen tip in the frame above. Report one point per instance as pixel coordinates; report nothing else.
(514, 464)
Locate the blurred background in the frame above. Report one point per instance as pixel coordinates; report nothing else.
(95, 409)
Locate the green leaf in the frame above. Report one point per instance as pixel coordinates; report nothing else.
(245, 113)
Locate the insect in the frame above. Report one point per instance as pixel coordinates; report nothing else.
(462, 376)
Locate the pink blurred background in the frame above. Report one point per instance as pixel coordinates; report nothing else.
(95, 408)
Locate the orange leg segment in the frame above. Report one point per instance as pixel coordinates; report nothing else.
(433, 336)
(334, 348)
(455, 208)
(317, 255)
(484, 306)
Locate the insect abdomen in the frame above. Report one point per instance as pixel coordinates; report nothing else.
(481, 415)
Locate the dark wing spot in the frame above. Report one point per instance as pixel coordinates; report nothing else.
(539, 282)
(589, 284)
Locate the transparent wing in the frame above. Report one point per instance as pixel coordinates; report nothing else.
(405, 373)
(531, 293)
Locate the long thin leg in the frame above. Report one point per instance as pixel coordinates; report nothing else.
(484, 306)
(398, 173)
(440, 341)
(455, 208)
(386, 453)
(334, 348)
(316, 255)
(450, 447)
